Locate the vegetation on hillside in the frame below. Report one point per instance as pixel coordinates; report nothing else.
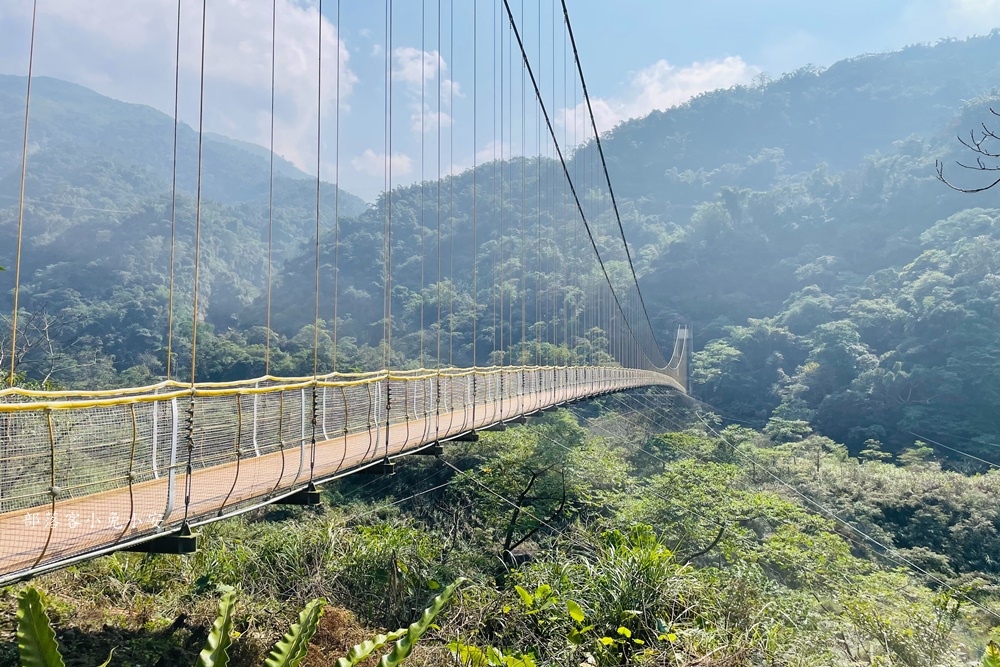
(632, 544)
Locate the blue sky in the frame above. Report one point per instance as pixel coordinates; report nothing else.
(638, 55)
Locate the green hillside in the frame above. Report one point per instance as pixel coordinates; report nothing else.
(97, 226)
(796, 223)
(798, 511)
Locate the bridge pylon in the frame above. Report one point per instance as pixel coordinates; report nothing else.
(680, 360)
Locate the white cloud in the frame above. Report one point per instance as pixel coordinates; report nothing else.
(661, 86)
(449, 88)
(371, 163)
(427, 121)
(493, 150)
(126, 50)
(978, 10)
(413, 65)
(419, 71)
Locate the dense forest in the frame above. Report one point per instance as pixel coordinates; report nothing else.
(813, 503)
(626, 531)
(795, 223)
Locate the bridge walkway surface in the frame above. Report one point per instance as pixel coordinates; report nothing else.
(80, 477)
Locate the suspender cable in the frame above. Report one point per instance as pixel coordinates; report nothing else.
(524, 287)
(388, 234)
(423, 64)
(319, 152)
(509, 356)
(319, 185)
(475, 201)
(494, 204)
(336, 204)
(562, 160)
(538, 210)
(20, 203)
(439, 276)
(475, 171)
(557, 256)
(197, 215)
(500, 204)
(451, 194)
(197, 265)
(567, 255)
(173, 198)
(270, 195)
(611, 192)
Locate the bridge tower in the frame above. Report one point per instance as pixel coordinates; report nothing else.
(680, 360)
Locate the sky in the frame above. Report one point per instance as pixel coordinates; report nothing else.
(444, 92)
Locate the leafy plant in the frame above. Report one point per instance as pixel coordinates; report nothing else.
(405, 638)
(291, 649)
(992, 656)
(36, 641)
(361, 651)
(37, 645)
(404, 645)
(473, 656)
(215, 653)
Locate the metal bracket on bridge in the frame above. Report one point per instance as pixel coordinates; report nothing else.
(306, 497)
(519, 419)
(551, 408)
(434, 449)
(182, 542)
(499, 426)
(384, 467)
(469, 436)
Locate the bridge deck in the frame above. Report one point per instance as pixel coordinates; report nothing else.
(148, 500)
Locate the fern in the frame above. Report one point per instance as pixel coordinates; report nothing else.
(404, 646)
(291, 649)
(36, 641)
(366, 648)
(992, 656)
(221, 637)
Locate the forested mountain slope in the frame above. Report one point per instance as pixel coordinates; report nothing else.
(95, 266)
(796, 223)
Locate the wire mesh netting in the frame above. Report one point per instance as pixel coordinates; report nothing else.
(83, 474)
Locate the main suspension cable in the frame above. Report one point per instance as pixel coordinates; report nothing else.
(562, 160)
(607, 176)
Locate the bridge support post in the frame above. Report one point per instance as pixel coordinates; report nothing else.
(384, 467)
(434, 450)
(306, 497)
(499, 426)
(681, 358)
(182, 542)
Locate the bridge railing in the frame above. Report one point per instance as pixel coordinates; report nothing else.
(86, 473)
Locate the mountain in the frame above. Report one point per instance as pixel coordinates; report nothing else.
(796, 223)
(67, 118)
(98, 221)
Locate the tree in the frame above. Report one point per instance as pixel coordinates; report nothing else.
(980, 143)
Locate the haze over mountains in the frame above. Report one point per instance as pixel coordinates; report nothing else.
(807, 203)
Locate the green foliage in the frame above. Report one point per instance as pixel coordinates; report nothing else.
(360, 652)
(472, 656)
(36, 640)
(404, 645)
(991, 658)
(220, 637)
(291, 649)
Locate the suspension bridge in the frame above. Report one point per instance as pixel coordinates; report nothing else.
(88, 472)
